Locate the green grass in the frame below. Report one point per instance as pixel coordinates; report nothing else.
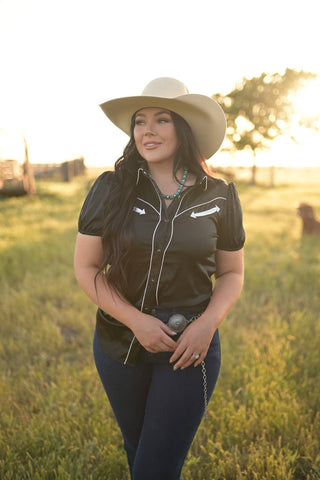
(55, 422)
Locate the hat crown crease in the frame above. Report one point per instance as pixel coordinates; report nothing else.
(165, 87)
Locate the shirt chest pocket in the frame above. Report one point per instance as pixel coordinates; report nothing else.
(195, 235)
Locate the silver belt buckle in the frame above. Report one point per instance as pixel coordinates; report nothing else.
(177, 322)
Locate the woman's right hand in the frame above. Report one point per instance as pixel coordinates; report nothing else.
(154, 335)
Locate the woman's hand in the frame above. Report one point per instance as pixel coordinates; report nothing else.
(196, 338)
(193, 344)
(154, 335)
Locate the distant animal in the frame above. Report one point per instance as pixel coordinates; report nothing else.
(309, 223)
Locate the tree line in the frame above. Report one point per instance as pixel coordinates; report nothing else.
(261, 108)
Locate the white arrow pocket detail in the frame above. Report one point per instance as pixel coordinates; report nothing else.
(141, 211)
(205, 212)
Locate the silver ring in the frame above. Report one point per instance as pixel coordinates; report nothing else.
(195, 355)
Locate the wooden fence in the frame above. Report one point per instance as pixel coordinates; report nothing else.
(65, 171)
(17, 178)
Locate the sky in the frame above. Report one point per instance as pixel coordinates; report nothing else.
(61, 58)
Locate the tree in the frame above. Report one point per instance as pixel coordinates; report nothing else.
(261, 108)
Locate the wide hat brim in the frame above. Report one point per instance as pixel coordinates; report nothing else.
(203, 114)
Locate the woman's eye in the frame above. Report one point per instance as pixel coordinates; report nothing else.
(164, 120)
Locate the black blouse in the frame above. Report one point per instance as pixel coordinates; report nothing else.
(173, 256)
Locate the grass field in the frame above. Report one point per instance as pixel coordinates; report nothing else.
(264, 419)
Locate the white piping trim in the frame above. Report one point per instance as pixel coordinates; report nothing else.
(151, 258)
(150, 205)
(138, 175)
(204, 180)
(162, 262)
(165, 251)
(129, 350)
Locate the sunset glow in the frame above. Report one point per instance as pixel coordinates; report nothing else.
(307, 101)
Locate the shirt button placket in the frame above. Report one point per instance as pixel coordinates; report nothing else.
(156, 262)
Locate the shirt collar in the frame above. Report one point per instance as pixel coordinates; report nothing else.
(204, 182)
(142, 170)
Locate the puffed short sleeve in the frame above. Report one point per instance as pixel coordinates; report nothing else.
(231, 231)
(91, 217)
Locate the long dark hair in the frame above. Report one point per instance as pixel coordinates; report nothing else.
(117, 231)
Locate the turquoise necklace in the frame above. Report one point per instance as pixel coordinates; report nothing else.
(182, 184)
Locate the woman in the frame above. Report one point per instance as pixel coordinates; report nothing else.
(151, 235)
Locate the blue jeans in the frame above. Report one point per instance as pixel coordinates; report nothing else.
(158, 409)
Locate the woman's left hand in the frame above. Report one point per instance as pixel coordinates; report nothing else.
(193, 345)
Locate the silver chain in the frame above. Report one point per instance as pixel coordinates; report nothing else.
(204, 376)
(205, 389)
(192, 319)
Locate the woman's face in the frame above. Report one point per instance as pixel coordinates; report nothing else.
(155, 135)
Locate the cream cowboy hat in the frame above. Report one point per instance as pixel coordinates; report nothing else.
(203, 114)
